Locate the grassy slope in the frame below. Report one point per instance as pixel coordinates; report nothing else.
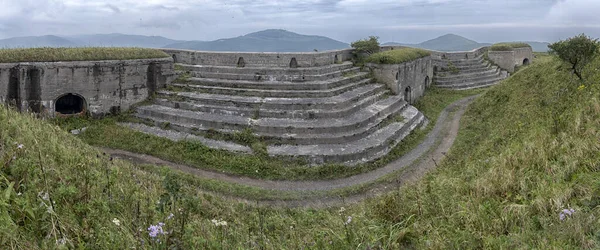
(526, 150)
(77, 54)
(106, 133)
(508, 46)
(511, 171)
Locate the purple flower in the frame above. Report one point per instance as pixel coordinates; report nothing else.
(565, 213)
(156, 230)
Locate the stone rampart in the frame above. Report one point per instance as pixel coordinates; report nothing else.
(409, 79)
(260, 59)
(97, 87)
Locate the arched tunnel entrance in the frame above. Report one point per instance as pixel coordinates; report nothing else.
(526, 61)
(408, 95)
(69, 104)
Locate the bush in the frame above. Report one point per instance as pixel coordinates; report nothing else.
(577, 51)
(397, 56)
(368, 46)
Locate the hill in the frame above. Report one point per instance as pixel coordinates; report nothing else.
(36, 41)
(272, 40)
(448, 42)
(122, 40)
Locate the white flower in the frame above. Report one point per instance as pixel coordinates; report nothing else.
(19, 194)
(44, 195)
(219, 223)
(170, 216)
(348, 221)
(342, 209)
(116, 221)
(20, 146)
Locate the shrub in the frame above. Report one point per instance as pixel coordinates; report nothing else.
(577, 51)
(397, 56)
(368, 46)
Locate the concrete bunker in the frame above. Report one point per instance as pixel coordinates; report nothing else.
(293, 63)
(408, 94)
(241, 62)
(70, 104)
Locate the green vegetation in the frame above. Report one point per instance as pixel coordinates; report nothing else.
(107, 133)
(527, 151)
(397, 56)
(508, 46)
(77, 54)
(577, 51)
(366, 46)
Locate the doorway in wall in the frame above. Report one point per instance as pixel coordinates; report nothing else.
(408, 94)
(69, 104)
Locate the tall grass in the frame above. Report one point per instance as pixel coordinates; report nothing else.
(508, 46)
(77, 54)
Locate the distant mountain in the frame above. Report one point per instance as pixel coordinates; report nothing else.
(272, 40)
(448, 42)
(122, 40)
(36, 41)
(539, 46)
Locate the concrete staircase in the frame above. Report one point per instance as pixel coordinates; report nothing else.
(328, 114)
(467, 74)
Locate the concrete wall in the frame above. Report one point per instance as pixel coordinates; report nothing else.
(259, 59)
(415, 75)
(507, 60)
(105, 85)
(460, 55)
(521, 54)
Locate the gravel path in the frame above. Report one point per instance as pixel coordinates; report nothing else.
(413, 165)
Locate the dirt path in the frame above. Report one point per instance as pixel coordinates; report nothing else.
(414, 164)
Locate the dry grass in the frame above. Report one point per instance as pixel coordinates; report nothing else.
(397, 56)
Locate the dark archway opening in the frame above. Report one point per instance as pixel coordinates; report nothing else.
(70, 104)
(427, 81)
(397, 76)
(241, 63)
(466, 56)
(526, 61)
(293, 63)
(174, 58)
(336, 59)
(408, 94)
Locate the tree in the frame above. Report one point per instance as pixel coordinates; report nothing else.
(368, 46)
(577, 51)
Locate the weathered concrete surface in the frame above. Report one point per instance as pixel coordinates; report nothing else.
(259, 59)
(105, 86)
(508, 60)
(408, 79)
(180, 136)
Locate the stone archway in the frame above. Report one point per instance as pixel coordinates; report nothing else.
(408, 95)
(293, 63)
(427, 82)
(70, 104)
(526, 61)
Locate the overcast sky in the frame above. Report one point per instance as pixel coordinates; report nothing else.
(344, 20)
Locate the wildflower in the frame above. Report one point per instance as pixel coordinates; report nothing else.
(44, 195)
(170, 216)
(348, 221)
(565, 213)
(156, 230)
(19, 194)
(342, 209)
(581, 87)
(20, 146)
(116, 221)
(219, 223)
(61, 241)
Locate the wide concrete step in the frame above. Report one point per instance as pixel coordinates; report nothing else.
(274, 78)
(470, 71)
(468, 79)
(292, 72)
(469, 62)
(274, 92)
(475, 84)
(471, 67)
(285, 104)
(448, 77)
(269, 126)
(260, 112)
(363, 150)
(279, 85)
(182, 136)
